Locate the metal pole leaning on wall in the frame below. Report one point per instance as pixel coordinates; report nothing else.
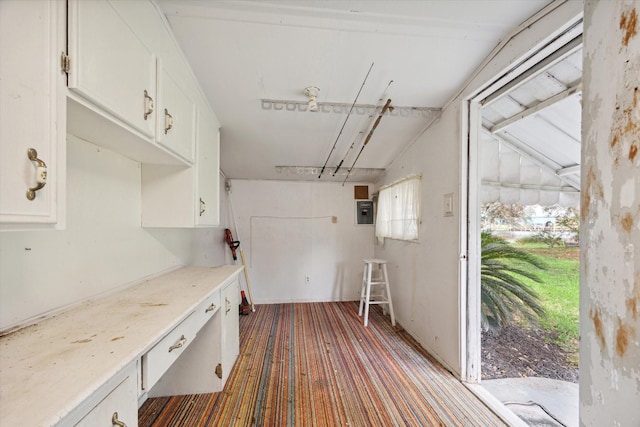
(227, 186)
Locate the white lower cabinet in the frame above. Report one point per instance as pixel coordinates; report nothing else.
(118, 408)
(204, 366)
(230, 327)
(173, 334)
(157, 360)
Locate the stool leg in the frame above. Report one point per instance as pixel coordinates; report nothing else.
(364, 282)
(384, 293)
(386, 281)
(368, 296)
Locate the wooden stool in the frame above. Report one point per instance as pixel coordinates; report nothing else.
(381, 295)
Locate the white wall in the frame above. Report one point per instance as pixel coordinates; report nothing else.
(287, 233)
(610, 267)
(425, 278)
(102, 248)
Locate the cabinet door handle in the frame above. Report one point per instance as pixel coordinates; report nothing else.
(179, 344)
(202, 206)
(228, 305)
(148, 107)
(41, 173)
(116, 422)
(210, 308)
(168, 121)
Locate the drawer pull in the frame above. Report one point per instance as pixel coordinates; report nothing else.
(168, 120)
(228, 305)
(202, 206)
(148, 108)
(41, 173)
(210, 308)
(116, 422)
(179, 344)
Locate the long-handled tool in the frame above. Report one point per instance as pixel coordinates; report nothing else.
(233, 216)
(233, 245)
(386, 107)
(345, 122)
(380, 105)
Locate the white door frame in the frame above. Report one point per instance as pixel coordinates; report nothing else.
(470, 257)
(470, 242)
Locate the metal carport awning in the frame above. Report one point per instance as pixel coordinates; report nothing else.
(530, 143)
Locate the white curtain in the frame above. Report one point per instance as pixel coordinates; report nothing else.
(398, 213)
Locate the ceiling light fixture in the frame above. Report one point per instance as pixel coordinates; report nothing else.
(312, 94)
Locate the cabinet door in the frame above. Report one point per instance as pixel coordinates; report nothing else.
(194, 191)
(230, 327)
(120, 404)
(176, 117)
(110, 66)
(31, 110)
(208, 179)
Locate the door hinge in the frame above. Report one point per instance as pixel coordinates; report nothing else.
(65, 62)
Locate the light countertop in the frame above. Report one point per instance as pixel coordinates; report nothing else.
(49, 368)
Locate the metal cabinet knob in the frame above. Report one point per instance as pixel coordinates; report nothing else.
(179, 344)
(116, 422)
(168, 121)
(148, 108)
(41, 173)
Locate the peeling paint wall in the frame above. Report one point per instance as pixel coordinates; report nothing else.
(610, 268)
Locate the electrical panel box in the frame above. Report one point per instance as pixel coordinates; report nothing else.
(364, 212)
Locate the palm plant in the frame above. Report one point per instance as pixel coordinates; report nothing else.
(504, 296)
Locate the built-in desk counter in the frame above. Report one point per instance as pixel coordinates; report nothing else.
(108, 354)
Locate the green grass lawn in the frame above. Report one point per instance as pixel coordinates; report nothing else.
(559, 290)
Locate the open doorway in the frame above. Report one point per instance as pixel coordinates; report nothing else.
(524, 195)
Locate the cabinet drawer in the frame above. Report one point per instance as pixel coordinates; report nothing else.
(122, 401)
(206, 310)
(157, 360)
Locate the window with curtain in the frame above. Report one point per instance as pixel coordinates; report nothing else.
(398, 212)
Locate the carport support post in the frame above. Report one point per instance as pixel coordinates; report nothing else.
(610, 234)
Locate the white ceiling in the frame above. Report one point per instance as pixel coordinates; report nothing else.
(248, 54)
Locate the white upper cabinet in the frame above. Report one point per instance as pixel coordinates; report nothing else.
(208, 179)
(110, 66)
(185, 197)
(176, 116)
(32, 114)
(130, 90)
(115, 80)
